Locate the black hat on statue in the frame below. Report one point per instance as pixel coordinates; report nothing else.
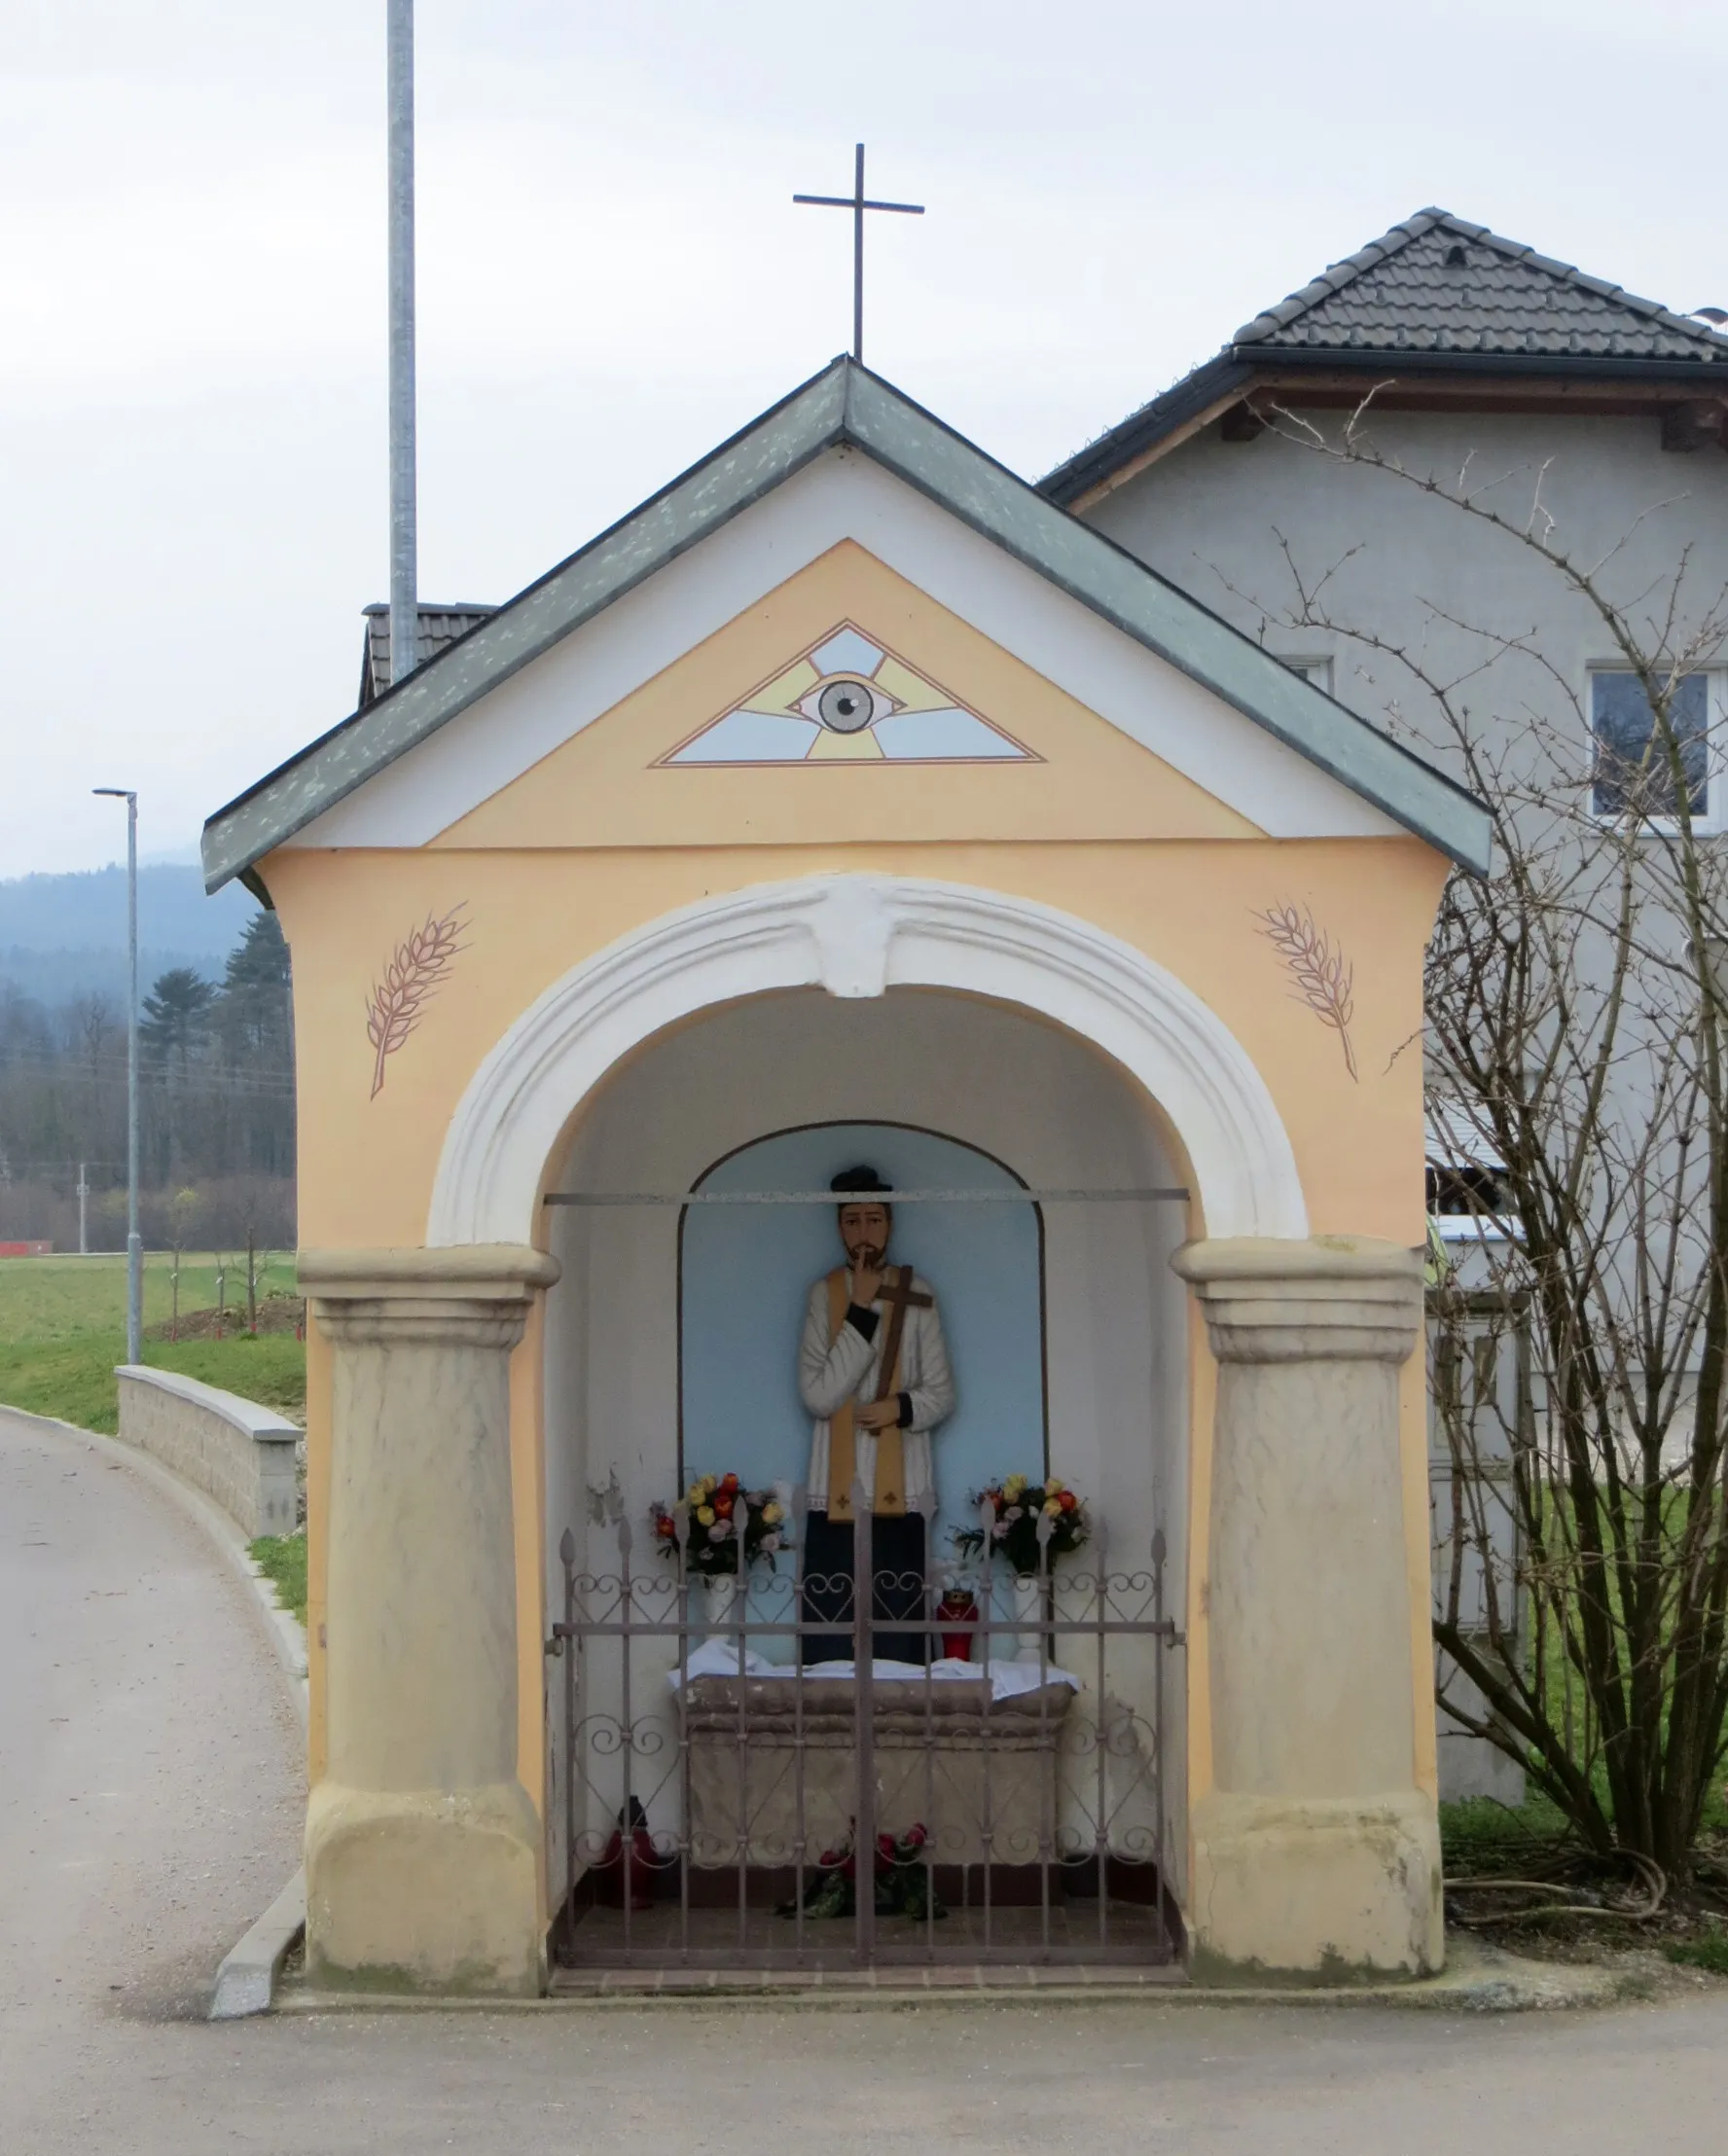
(861, 1182)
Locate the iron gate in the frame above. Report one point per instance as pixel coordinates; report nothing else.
(1481, 1419)
(725, 1805)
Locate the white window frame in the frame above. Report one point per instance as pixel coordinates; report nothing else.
(1315, 670)
(1713, 819)
(1454, 1146)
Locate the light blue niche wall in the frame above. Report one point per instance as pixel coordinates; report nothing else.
(746, 1275)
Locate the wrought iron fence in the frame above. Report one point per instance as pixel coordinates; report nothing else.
(730, 1802)
(1481, 1436)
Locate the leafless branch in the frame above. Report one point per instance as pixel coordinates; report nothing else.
(1576, 1052)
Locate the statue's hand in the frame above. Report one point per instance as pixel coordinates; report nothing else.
(878, 1415)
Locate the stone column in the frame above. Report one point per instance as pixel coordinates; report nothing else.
(1315, 1856)
(422, 1847)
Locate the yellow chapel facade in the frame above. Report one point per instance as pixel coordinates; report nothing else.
(851, 795)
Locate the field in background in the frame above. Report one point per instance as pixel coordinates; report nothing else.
(62, 1329)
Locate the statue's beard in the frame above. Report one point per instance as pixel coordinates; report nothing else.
(868, 1255)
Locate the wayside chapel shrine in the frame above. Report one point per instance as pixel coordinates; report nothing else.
(849, 807)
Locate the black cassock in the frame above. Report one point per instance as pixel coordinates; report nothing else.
(898, 1562)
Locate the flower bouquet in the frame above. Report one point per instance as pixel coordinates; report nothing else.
(902, 1879)
(713, 1505)
(1017, 1504)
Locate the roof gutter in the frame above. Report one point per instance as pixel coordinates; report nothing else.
(1580, 367)
(1168, 415)
(1238, 366)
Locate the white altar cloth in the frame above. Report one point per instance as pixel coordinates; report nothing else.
(718, 1657)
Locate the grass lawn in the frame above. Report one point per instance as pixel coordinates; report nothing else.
(53, 1298)
(1708, 1951)
(62, 1329)
(282, 1559)
(1479, 1835)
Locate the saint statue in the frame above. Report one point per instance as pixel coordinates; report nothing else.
(873, 1370)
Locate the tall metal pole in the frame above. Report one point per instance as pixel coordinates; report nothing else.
(404, 620)
(84, 1191)
(858, 257)
(134, 1241)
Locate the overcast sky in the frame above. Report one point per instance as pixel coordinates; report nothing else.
(612, 278)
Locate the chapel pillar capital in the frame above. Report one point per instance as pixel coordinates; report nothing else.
(1331, 1299)
(470, 1295)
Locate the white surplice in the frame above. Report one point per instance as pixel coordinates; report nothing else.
(849, 1368)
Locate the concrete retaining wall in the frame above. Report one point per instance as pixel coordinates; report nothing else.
(237, 1452)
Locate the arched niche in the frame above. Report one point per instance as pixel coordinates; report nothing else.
(993, 1078)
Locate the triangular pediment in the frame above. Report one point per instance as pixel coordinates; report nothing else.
(960, 740)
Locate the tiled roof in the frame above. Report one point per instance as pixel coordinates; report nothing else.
(1437, 284)
(440, 627)
(1438, 294)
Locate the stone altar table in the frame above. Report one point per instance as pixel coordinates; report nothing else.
(974, 1761)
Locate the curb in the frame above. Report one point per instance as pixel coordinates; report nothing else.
(248, 1977)
(1479, 1980)
(283, 1632)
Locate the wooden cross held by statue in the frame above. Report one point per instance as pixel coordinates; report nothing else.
(898, 1294)
(855, 202)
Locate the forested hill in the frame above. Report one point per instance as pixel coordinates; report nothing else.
(216, 1102)
(65, 936)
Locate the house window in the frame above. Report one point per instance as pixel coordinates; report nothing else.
(1319, 671)
(1468, 1193)
(1633, 772)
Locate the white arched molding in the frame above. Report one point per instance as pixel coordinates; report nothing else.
(858, 936)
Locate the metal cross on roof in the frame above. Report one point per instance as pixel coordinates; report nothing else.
(855, 202)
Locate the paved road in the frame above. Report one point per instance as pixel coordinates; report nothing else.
(149, 1807)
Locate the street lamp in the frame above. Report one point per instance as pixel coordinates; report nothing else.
(134, 1244)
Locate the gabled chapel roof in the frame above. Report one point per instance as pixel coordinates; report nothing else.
(1435, 294)
(848, 406)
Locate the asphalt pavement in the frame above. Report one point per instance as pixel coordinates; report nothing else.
(150, 1800)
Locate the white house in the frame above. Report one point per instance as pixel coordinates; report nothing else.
(1462, 365)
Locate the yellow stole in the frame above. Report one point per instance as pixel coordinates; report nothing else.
(889, 1496)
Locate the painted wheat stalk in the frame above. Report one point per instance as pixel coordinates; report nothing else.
(1325, 979)
(419, 968)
